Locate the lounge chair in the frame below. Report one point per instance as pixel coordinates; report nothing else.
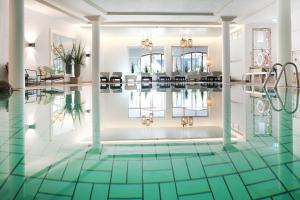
(48, 74)
(216, 76)
(146, 77)
(193, 77)
(104, 77)
(130, 77)
(177, 77)
(31, 76)
(116, 77)
(163, 77)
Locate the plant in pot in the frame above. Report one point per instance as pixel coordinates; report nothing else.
(65, 55)
(78, 58)
(132, 68)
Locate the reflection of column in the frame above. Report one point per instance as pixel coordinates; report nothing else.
(226, 20)
(16, 134)
(96, 115)
(286, 119)
(95, 20)
(16, 44)
(226, 99)
(284, 39)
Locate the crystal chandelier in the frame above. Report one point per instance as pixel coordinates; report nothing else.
(147, 44)
(186, 43)
(147, 120)
(187, 121)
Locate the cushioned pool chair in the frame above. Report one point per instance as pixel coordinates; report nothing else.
(116, 77)
(104, 77)
(146, 77)
(48, 74)
(193, 77)
(163, 77)
(130, 78)
(177, 77)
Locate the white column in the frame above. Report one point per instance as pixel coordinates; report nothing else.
(226, 100)
(96, 115)
(95, 20)
(16, 44)
(284, 38)
(226, 20)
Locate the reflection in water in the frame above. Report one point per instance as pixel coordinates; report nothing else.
(110, 154)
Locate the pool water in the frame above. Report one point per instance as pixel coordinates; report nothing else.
(159, 141)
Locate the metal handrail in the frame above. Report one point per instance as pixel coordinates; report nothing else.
(283, 70)
(271, 70)
(282, 104)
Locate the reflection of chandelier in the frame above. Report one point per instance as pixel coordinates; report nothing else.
(209, 101)
(58, 116)
(147, 44)
(147, 120)
(187, 121)
(186, 43)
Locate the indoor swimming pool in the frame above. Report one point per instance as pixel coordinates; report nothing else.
(150, 141)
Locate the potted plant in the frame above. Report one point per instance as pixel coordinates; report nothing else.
(78, 58)
(132, 68)
(146, 69)
(65, 55)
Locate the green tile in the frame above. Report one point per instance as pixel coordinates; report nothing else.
(205, 196)
(219, 188)
(236, 187)
(282, 197)
(279, 158)
(83, 191)
(180, 169)
(257, 176)
(126, 191)
(51, 197)
(254, 159)
(192, 187)
(11, 187)
(266, 151)
(216, 159)
(158, 176)
(151, 191)
(98, 165)
(287, 178)
(168, 191)
(157, 165)
(56, 172)
(100, 191)
(29, 189)
(295, 168)
(239, 161)
(195, 168)
(265, 189)
(119, 173)
(57, 187)
(73, 170)
(219, 170)
(95, 177)
(135, 172)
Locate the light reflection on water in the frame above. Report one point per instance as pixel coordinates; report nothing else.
(92, 142)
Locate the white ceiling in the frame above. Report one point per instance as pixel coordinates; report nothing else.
(157, 10)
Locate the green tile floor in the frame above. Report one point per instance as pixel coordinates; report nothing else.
(241, 173)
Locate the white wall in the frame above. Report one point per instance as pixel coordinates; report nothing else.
(3, 37)
(114, 50)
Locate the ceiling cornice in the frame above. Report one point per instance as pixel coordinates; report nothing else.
(162, 13)
(62, 10)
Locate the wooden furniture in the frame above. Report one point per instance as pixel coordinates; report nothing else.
(163, 77)
(146, 77)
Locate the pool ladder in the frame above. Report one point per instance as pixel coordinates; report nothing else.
(283, 71)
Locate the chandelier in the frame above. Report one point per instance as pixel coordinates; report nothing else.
(57, 49)
(147, 120)
(186, 43)
(187, 121)
(147, 44)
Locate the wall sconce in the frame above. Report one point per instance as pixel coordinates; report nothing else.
(31, 44)
(88, 55)
(31, 126)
